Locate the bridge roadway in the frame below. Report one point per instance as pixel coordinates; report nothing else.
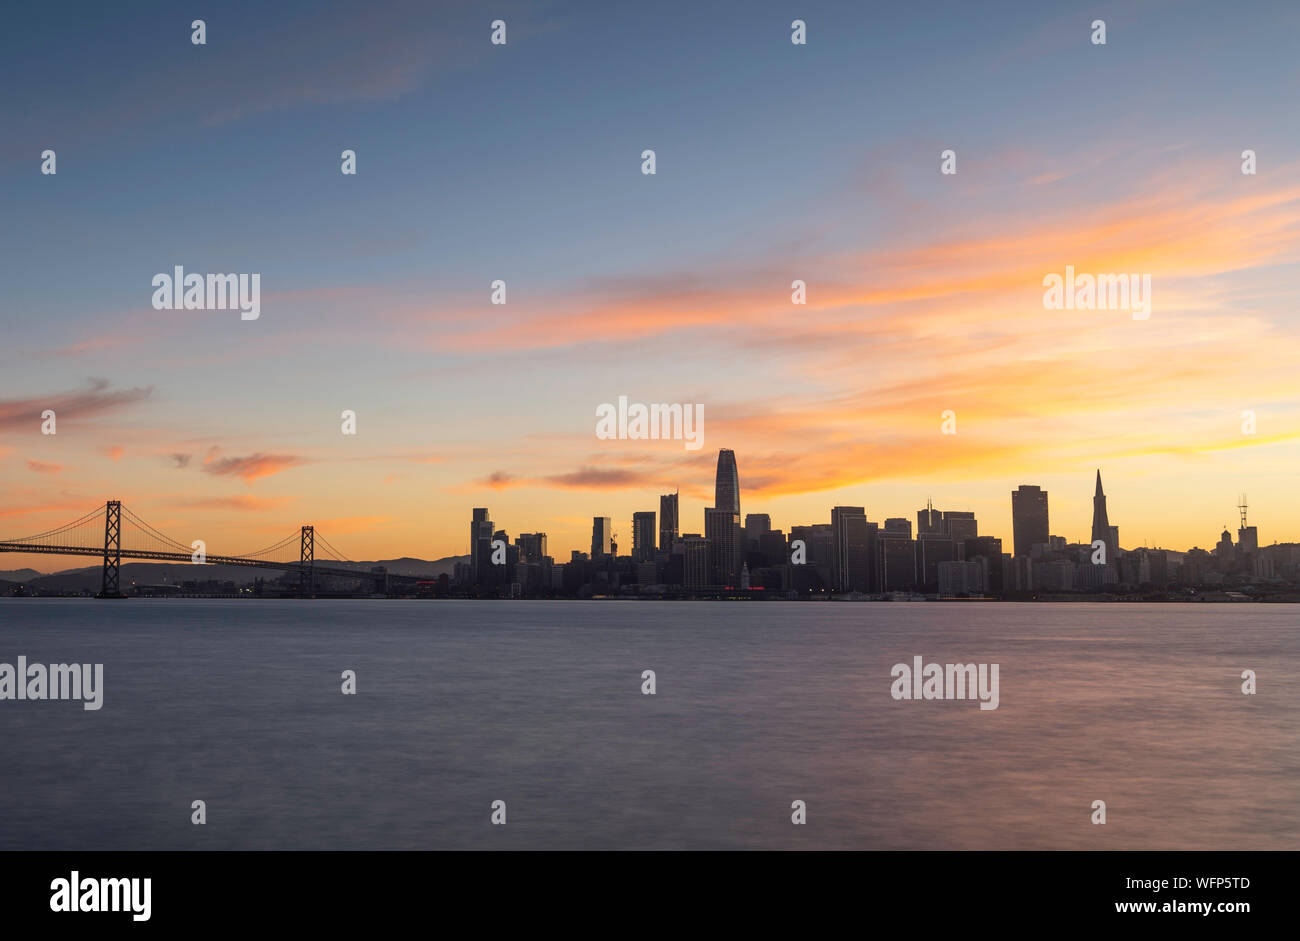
(144, 554)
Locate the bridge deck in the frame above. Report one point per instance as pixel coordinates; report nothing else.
(155, 556)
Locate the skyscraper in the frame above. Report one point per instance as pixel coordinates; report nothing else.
(726, 487)
(756, 524)
(1028, 518)
(695, 561)
(668, 522)
(643, 536)
(819, 547)
(601, 535)
(931, 549)
(989, 548)
(1226, 552)
(726, 493)
(512, 552)
(480, 544)
(722, 530)
(532, 546)
(1101, 528)
(849, 548)
(773, 547)
(960, 525)
(873, 557)
(897, 560)
(928, 520)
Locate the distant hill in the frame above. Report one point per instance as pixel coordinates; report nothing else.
(19, 575)
(173, 573)
(419, 567)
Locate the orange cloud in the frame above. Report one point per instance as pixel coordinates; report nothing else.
(252, 467)
(241, 503)
(584, 478)
(973, 280)
(77, 507)
(40, 467)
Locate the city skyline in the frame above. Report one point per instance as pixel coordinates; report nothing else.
(924, 291)
(646, 528)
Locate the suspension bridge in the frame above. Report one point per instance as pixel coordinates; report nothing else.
(114, 533)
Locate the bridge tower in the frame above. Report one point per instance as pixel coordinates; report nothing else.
(306, 559)
(112, 549)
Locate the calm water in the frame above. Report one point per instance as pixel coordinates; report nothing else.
(539, 704)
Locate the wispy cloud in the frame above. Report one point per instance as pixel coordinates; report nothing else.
(252, 467)
(99, 398)
(244, 503)
(41, 467)
(332, 55)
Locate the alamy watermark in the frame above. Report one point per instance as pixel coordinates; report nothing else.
(1098, 292)
(181, 291)
(638, 422)
(76, 894)
(946, 681)
(84, 681)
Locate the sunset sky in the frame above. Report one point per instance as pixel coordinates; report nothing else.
(522, 162)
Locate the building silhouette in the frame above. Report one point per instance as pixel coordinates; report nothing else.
(722, 531)
(1226, 552)
(774, 548)
(643, 536)
(726, 498)
(726, 485)
(897, 561)
(961, 525)
(532, 546)
(601, 537)
(898, 526)
(1247, 536)
(695, 561)
(931, 550)
(849, 559)
(480, 545)
(756, 524)
(1101, 529)
(990, 549)
(928, 520)
(819, 545)
(1028, 518)
(669, 522)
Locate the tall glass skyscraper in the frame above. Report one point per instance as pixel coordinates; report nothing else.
(726, 498)
(726, 487)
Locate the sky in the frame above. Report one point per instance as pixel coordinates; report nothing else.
(523, 162)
